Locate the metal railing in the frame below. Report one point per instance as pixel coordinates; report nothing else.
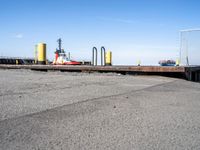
(95, 56)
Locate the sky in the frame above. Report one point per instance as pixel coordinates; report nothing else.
(145, 30)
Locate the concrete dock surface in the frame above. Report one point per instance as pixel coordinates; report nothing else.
(60, 110)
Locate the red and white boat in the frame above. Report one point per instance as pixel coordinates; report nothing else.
(61, 57)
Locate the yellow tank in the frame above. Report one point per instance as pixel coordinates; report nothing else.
(139, 62)
(177, 62)
(41, 53)
(109, 58)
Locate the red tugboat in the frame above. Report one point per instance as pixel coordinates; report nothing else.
(61, 57)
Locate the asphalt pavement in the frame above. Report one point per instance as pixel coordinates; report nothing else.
(58, 110)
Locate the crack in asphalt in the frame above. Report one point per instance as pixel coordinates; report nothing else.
(87, 100)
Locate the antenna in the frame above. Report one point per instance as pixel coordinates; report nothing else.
(59, 44)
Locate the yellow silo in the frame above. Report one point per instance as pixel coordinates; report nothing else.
(41, 52)
(109, 58)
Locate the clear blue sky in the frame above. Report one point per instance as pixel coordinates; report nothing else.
(146, 30)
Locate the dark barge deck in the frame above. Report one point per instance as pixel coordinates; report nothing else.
(191, 73)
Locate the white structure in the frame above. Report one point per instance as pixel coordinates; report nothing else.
(190, 47)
